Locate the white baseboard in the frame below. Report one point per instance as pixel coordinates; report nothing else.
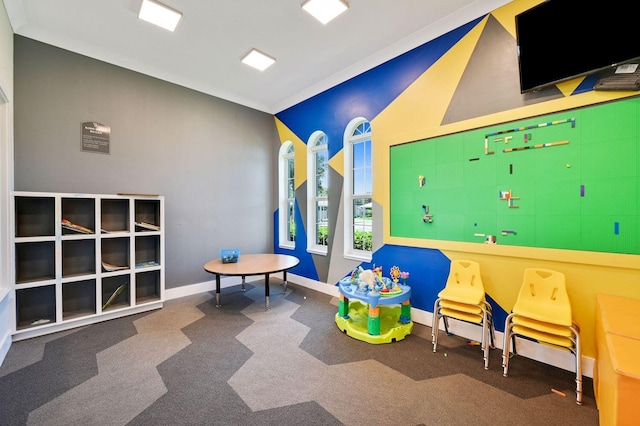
(188, 290)
(548, 355)
(6, 313)
(5, 344)
(526, 348)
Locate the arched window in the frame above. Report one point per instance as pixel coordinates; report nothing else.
(286, 196)
(358, 212)
(317, 193)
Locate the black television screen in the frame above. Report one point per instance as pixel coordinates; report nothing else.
(560, 40)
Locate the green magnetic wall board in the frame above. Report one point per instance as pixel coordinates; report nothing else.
(569, 180)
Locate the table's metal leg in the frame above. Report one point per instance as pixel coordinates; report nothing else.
(284, 285)
(218, 291)
(243, 281)
(266, 292)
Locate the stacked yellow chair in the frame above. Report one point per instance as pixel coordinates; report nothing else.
(542, 313)
(463, 298)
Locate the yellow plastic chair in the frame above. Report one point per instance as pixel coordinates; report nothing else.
(463, 299)
(542, 313)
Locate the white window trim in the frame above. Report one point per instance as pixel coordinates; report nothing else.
(283, 240)
(349, 252)
(312, 149)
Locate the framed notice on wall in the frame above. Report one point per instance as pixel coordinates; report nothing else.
(95, 137)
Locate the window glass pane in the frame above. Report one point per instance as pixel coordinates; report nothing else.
(358, 181)
(291, 221)
(321, 223)
(321, 174)
(290, 189)
(367, 152)
(362, 224)
(361, 208)
(362, 155)
(322, 187)
(290, 168)
(367, 181)
(286, 195)
(362, 168)
(290, 178)
(321, 211)
(321, 162)
(358, 155)
(363, 128)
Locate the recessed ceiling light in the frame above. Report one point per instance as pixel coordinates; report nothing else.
(159, 14)
(258, 60)
(325, 10)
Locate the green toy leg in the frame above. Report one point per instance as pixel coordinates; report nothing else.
(374, 321)
(343, 307)
(405, 312)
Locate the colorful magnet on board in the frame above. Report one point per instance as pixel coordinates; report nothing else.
(427, 217)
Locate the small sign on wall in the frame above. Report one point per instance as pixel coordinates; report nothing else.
(95, 137)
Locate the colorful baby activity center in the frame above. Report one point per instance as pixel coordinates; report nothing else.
(374, 308)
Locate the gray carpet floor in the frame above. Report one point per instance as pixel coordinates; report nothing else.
(191, 363)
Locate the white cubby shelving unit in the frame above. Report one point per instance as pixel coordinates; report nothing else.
(85, 258)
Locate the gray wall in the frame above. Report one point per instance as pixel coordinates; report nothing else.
(214, 161)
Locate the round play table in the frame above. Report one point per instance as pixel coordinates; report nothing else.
(253, 264)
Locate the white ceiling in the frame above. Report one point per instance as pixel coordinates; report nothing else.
(204, 52)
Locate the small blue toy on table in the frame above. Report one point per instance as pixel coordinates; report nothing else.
(378, 319)
(230, 255)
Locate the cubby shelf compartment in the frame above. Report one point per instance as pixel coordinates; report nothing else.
(78, 299)
(35, 306)
(116, 292)
(147, 251)
(83, 258)
(81, 212)
(35, 216)
(78, 257)
(115, 253)
(147, 215)
(148, 286)
(114, 215)
(35, 261)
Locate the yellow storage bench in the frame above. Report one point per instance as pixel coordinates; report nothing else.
(616, 377)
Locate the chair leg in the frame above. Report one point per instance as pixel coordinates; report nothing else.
(578, 355)
(485, 339)
(434, 325)
(434, 333)
(506, 346)
(492, 331)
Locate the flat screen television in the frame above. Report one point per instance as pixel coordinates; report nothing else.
(559, 40)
